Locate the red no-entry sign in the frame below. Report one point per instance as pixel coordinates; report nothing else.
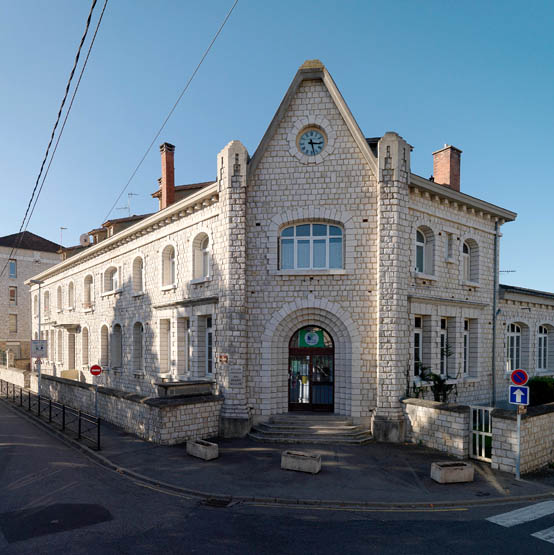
(95, 370)
(519, 377)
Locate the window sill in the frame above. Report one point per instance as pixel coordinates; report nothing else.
(59, 311)
(71, 309)
(427, 277)
(310, 272)
(88, 310)
(470, 379)
(543, 372)
(169, 287)
(138, 294)
(470, 283)
(112, 292)
(200, 280)
(450, 260)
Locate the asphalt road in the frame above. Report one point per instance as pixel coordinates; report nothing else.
(53, 499)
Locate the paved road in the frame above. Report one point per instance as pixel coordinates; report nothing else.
(53, 499)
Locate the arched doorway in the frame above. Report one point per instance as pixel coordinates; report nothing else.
(311, 370)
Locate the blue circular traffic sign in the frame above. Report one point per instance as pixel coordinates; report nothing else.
(519, 377)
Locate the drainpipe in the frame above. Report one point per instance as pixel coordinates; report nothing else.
(494, 314)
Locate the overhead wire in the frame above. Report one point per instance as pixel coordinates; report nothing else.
(172, 110)
(58, 118)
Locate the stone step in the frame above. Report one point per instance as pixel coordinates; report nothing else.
(341, 440)
(345, 430)
(299, 426)
(313, 421)
(304, 433)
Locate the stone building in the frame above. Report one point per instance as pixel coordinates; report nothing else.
(317, 274)
(22, 255)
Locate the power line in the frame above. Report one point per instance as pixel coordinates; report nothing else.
(172, 110)
(72, 73)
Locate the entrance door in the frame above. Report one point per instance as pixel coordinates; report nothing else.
(311, 370)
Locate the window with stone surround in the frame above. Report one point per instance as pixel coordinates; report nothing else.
(444, 347)
(12, 323)
(88, 292)
(201, 256)
(424, 251)
(545, 336)
(470, 261)
(47, 303)
(422, 334)
(111, 280)
(165, 345)
(59, 350)
(12, 294)
(12, 268)
(59, 298)
(168, 266)
(104, 346)
(52, 346)
(84, 347)
(138, 275)
(517, 346)
(315, 246)
(117, 346)
(138, 346)
(71, 295)
(184, 345)
(35, 305)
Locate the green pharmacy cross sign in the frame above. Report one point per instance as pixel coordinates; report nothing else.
(311, 339)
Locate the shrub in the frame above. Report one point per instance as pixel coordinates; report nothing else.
(541, 390)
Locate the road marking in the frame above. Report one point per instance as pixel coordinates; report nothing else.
(547, 535)
(526, 514)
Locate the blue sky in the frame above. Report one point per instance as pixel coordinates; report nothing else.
(478, 75)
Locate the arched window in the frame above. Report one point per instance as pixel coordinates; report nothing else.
(59, 298)
(138, 346)
(201, 256)
(84, 347)
(47, 303)
(311, 246)
(470, 261)
(104, 346)
(513, 345)
(168, 265)
(138, 275)
(110, 279)
(71, 295)
(117, 347)
(35, 305)
(542, 348)
(88, 292)
(424, 251)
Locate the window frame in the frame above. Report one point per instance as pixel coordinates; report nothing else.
(208, 354)
(418, 345)
(542, 348)
(12, 264)
(311, 238)
(466, 346)
(513, 343)
(443, 346)
(12, 299)
(172, 261)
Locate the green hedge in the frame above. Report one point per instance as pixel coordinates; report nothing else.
(541, 390)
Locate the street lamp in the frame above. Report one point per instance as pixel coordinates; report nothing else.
(39, 283)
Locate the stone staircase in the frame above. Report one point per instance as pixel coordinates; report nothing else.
(322, 428)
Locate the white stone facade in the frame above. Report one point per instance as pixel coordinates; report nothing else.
(368, 304)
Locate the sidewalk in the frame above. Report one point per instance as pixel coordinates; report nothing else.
(376, 473)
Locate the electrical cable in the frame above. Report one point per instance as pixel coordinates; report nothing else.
(68, 86)
(171, 111)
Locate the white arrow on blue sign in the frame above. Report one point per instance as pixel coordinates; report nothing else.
(519, 395)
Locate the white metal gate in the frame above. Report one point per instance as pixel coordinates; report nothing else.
(480, 440)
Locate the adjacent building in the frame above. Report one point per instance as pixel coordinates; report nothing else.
(22, 255)
(318, 273)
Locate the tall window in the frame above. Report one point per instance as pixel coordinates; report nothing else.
(12, 293)
(117, 347)
(52, 346)
(418, 345)
(449, 252)
(165, 345)
(47, 303)
(201, 256)
(470, 261)
(138, 346)
(71, 295)
(168, 266)
(209, 346)
(513, 348)
(466, 260)
(12, 323)
(88, 293)
(311, 246)
(104, 346)
(444, 347)
(138, 275)
(183, 346)
(110, 280)
(424, 250)
(60, 347)
(420, 252)
(466, 347)
(84, 347)
(542, 348)
(59, 296)
(35, 305)
(12, 268)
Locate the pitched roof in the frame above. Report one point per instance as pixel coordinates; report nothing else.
(189, 187)
(29, 241)
(524, 291)
(133, 218)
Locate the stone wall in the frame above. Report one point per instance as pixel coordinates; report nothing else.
(161, 420)
(15, 376)
(537, 435)
(439, 426)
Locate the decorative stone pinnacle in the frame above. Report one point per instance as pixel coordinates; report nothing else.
(312, 64)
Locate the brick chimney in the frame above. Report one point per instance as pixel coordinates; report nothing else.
(446, 166)
(167, 181)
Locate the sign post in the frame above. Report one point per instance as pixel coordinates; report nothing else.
(519, 395)
(96, 370)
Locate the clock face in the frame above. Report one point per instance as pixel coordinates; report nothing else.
(311, 142)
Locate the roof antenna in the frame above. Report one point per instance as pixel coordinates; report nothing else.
(128, 207)
(61, 235)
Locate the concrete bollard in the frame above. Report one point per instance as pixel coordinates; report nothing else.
(452, 472)
(202, 449)
(301, 462)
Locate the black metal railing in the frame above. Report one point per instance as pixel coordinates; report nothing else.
(74, 422)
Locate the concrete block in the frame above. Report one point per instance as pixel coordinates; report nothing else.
(301, 462)
(203, 449)
(452, 472)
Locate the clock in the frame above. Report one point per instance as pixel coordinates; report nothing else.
(311, 141)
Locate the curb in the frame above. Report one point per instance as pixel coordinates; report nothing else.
(275, 501)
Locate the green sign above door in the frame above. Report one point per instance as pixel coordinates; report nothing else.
(312, 339)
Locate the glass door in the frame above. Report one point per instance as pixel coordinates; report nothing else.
(321, 382)
(299, 382)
